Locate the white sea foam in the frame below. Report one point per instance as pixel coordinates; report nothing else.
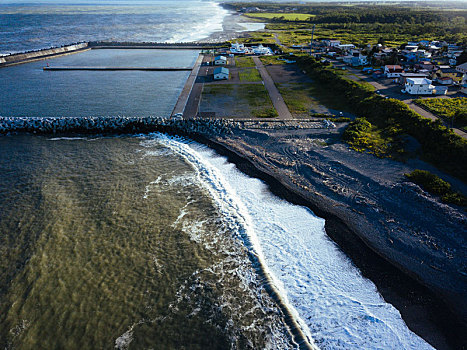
(335, 306)
(205, 27)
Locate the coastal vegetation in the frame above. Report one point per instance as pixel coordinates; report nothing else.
(437, 186)
(362, 136)
(454, 110)
(393, 119)
(361, 24)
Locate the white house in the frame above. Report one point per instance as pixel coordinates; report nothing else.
(220, 61)
(393, 71)
(331, 43)
(237, 48)
(221, 73)
(345, 47)
(262, 50)
(419, 86)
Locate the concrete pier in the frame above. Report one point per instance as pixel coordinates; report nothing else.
(160, 69)
(180, 106)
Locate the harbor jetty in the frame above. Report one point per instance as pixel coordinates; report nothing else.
(31, 56)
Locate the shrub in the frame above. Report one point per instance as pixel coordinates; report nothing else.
(429, 182)
(434, 185)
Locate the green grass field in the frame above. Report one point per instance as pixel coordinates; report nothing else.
(444, 107)
(284, 16)
(244, 62)
(251, 75)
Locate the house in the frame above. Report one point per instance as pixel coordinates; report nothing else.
(464, 84)
(412, 48)
(419, 86)
(220, 61)
(262, 50)
(445, 81)
(345, 47)
(237, 48)
(425, 65)
(331, 42)
(393, 71)
(221, 73)
(377, 74)
(402, 79)
(447, 71)
(462, 68)
(440, 90)
(356, 61)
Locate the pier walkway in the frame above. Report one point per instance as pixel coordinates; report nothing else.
(182, 102)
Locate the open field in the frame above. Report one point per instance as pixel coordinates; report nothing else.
(447, 108)
(251, 75)
(281, 16)
(241, 101)
(244, 62)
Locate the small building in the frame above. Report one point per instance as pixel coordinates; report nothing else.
(419, 86)
(331, 42)
(462, 68)
(221, 73)
(464, 84)
(393, 71)
(220, 61)
(345, 47)
(440, 90)
(444, 80)
(422, 65)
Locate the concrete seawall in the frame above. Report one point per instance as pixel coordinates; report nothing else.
(41, 54)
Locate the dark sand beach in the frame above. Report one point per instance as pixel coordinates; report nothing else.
(394, 232)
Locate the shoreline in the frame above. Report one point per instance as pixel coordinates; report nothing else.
(396, 285)
(424, 311)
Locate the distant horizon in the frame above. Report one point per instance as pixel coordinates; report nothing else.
(139, 2)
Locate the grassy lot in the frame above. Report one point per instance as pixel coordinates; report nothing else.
(306, 99)
(281, 16)
(251, 74)
(271, 60)
(242, 101)
(244, 62)
(448, 108)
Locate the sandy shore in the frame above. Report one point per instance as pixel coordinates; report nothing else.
(231, 29)
(408, 243)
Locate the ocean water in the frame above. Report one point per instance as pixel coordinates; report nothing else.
(150, 241)
(25, 27)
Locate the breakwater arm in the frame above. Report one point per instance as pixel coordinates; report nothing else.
(110, 125)
(25, 57)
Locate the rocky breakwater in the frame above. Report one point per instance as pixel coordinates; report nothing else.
(41, 54)
(110, 125)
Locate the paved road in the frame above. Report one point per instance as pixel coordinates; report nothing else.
(274, 94)
(388, 91)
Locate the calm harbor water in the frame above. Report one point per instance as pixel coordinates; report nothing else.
(28, 90)
(145, 241)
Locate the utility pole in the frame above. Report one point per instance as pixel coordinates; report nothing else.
(311, 43)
